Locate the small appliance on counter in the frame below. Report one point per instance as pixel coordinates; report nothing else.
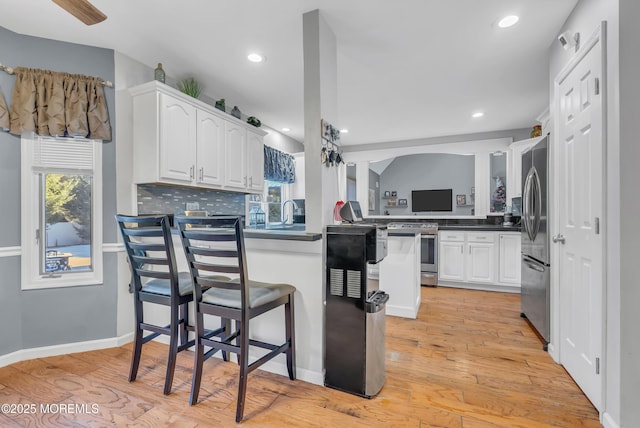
(355, 326)
(299, 211)
(351, 212)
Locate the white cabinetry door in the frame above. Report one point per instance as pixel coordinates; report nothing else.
(255, 162)
(509, 264)
(177, 139)
(210, 149)
(235, 155)
(480, 262)
(451, 261)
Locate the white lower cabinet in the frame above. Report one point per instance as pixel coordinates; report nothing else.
(486, 258)
(510, 258)
(451, 261)
(479, 262)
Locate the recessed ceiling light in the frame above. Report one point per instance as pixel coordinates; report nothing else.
(477, 115)
(508, 21)
(286, 129)
(344, 131)
(255, 57)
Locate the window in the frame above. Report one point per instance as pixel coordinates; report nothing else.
(274, 202)
(270, 202)
(61, 212)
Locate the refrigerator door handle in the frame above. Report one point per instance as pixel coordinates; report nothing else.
(526, 214)
(533, 266)
(537, 193)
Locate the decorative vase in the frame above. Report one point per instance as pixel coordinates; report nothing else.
(537, 131)
(220, 104)
(235, 112)
(158, 73)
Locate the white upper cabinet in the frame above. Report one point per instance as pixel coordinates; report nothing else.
(180, 140)
(177, 139)
(255, 162)
(210, 149)
(236, 155)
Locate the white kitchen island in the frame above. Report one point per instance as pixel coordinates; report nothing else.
(400, 274)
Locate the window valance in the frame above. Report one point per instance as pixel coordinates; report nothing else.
(278, 166)
(4, 114)
(59, 104)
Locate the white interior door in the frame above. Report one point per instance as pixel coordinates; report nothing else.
(579, 150)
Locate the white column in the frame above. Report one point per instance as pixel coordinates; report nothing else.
(320, 102)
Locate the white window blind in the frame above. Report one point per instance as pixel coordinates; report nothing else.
(63, 154)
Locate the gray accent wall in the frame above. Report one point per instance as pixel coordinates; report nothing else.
(426, 172)
(53, 316)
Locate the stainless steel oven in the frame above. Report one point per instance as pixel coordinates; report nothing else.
(429, 259)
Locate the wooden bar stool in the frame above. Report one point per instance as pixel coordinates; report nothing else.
(155, 279)
(215, 245)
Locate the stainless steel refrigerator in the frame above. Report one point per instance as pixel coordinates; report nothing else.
(535, 289)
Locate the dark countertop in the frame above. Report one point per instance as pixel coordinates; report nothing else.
(283, 234)
(481, 228)
(398, 232)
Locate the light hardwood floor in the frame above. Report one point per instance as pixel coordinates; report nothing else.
(468, 361)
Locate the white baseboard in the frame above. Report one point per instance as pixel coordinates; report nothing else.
(272, 366)
(608, 422)
(66, 348)
(481, 287)
(553, 352)
(401, 311)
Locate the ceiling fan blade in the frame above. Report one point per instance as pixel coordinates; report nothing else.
(83, 10)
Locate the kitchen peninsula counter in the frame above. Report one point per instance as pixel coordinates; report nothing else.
(282, 234)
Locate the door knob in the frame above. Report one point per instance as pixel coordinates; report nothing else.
(559, 238)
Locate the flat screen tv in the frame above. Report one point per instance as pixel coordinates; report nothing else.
(432, 200)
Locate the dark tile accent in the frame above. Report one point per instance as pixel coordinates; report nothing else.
(163, 199)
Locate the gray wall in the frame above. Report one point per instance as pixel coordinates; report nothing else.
(629, 209)
(37, 318)
(428, 171)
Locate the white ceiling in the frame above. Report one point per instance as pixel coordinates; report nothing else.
(406, 69)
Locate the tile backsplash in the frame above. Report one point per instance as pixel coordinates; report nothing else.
(160, 199)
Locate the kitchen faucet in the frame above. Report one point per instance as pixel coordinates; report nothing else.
(283, 219)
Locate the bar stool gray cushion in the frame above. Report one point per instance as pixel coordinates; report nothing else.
(163, 286)
(259, 294)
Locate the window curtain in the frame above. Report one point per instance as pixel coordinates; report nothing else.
(278, 166)
(4, 114)
(59, 105)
